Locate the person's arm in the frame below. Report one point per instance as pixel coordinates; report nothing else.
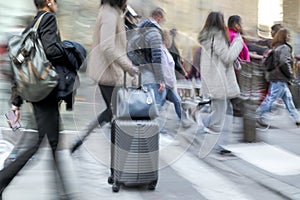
(16, 101)
(196, 64)
(50, 38)
(155, 44)
(228, 54)
(285, 62)
(108, 45)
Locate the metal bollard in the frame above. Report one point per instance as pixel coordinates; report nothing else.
(249, 121)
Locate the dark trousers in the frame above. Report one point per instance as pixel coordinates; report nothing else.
(47, 118)
(109, 96)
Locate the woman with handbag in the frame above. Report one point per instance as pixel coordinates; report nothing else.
(108, 60)
(46, 111)
(217, 73)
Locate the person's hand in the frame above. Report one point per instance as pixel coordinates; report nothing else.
(134, 71)
(161, 87)
(267, 52)
(17, 112)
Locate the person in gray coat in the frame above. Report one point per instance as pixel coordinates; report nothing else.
(217, 73)
(152, 73)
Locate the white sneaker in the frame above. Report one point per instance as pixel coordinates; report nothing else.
(205, 130)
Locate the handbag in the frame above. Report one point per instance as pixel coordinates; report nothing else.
(136, 102)
(34, 75)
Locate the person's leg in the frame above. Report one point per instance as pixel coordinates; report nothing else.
(29, 145)
(224, 138)
(288, 101)
(218, 114)
(108, 93)
(106, 115)
(275, 91)
(173, 97)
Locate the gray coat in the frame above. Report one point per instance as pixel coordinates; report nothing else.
(217, 72)
(152, 72)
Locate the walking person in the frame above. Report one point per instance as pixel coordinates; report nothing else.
(217, 73)
(108, 61)
(279, 78)
(46, 111)
(235, 28)
(176, 56)
(168, 66)
(152, 73)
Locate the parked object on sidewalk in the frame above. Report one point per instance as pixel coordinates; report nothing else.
(295, 90)
(33, 72)
(134, 153)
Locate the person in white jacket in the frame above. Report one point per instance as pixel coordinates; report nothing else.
(168, 69)
(217, 73)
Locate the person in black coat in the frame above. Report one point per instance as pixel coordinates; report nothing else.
(176, 56)
(46, 111)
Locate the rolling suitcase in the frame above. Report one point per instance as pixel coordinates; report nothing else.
(134, 153)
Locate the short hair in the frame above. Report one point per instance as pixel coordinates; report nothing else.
(158, 11)
(114, 3)
(40, 3)
(276, 27)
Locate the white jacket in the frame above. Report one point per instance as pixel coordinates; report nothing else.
(217, 72)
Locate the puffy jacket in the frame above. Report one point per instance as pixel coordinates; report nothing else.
(217, 72)
(152, 72)
(283, 70)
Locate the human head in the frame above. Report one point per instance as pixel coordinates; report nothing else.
(215, 20)
(235, 23)
(275, 28)
(281, 37)
(122, 4)
(173, 32)
(47, 5)
(158, 14)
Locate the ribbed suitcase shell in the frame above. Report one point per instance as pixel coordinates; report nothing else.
(134, 152)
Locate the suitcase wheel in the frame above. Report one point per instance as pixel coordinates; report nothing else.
(152, 185)
(116, 187)
(110, 180)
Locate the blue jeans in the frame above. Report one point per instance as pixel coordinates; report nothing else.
(159, 96)
(278, 90)
(172, 96)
